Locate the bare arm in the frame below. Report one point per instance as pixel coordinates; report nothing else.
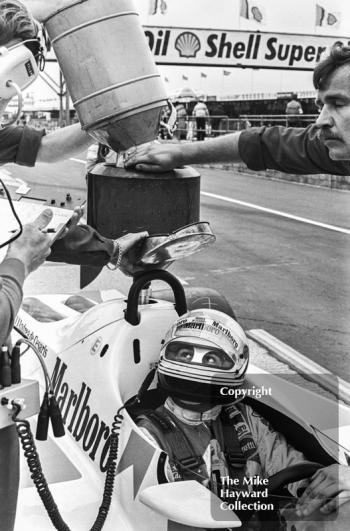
(42, 9)
(24, 255)
(220, 149)
(63, 143)
(162, 157)
(12, 273)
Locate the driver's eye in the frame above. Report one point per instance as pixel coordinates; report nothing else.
(179, 352)
(210, 359)
(184, 354)
(218, 360)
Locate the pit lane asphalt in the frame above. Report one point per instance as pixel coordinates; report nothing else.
(286, 276)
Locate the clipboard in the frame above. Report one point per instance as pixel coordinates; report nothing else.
(27, 212)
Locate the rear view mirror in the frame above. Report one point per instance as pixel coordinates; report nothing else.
(189, 503)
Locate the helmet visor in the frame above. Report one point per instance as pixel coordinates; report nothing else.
(197, 355)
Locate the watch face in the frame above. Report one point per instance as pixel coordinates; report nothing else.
(177, 245)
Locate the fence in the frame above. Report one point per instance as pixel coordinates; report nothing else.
(41, 123)
(221, 124)
(216, 125)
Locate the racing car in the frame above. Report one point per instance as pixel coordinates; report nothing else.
(98, 353)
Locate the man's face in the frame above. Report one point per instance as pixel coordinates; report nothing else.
(334, 118)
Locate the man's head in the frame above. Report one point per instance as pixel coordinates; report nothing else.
(16, 24)
(17, 62)
(332, 80)
(203, 351)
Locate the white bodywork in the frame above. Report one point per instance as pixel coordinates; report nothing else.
(90, 388)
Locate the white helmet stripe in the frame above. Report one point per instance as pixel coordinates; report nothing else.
(208, 380)
(189, 368)
(178, 370)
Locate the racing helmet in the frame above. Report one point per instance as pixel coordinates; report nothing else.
(204, 351)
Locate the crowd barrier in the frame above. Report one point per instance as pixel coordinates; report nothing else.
(216, 125)
(221, 124)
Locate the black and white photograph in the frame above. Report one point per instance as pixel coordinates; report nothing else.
(174, 265)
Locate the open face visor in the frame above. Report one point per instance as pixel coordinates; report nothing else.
(205, 341)
(220, 332)
(207, 356)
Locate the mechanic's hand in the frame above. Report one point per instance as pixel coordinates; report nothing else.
(33, 246)
(329, 488)
(126, 251)
(43, 9)
(76, 216)
(154, 157)
(130, 246)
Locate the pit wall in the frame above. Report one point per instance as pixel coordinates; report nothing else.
(336, 182)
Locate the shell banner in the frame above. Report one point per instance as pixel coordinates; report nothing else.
(223, 48)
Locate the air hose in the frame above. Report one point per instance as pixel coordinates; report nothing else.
(31, 454)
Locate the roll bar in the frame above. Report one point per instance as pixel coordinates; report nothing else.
(131, 312)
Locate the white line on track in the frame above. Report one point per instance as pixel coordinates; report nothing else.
(277, 212)
(78, 160)
(81, 161)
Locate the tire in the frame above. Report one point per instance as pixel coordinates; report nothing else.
(199, 298)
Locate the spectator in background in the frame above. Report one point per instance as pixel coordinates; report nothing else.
(322, 147)
(201, 114)
(181, 120)
(217, 115)
(164, 130)
(293, 111)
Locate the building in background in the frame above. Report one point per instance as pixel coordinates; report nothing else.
(250, 55)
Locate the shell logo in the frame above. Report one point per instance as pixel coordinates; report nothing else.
(187, 44)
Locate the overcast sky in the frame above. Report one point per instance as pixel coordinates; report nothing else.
(280, 15)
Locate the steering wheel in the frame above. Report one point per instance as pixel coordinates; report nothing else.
(290, 474)
(276, 482)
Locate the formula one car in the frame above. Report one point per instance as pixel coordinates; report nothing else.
(98, 354)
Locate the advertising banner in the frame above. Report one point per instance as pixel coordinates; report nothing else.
(221, 48)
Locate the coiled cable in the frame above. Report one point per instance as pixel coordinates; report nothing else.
(110, 474)
(31, 454)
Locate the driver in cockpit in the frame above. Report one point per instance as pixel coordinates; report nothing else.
(209, 436)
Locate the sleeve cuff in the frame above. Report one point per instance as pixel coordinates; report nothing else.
(29, 146)
(250, 150)
(14, 268)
